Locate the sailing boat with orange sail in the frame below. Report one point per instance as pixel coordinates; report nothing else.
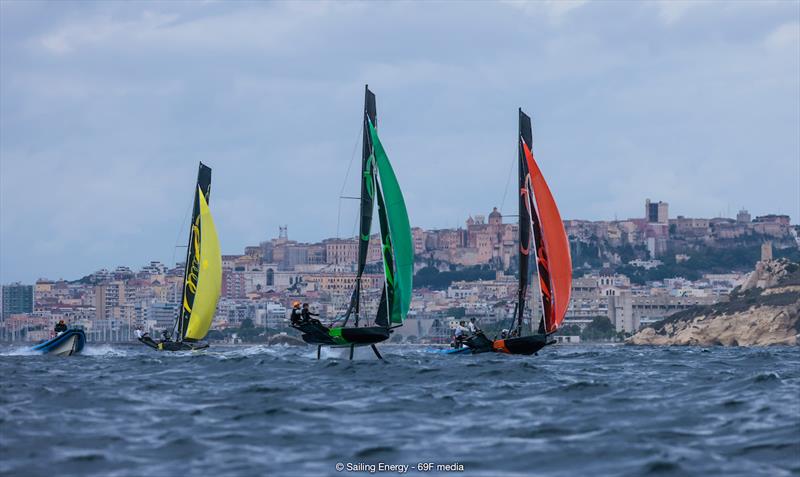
(542, 238)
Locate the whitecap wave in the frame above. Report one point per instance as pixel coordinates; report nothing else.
(18, 351)
(103, 350)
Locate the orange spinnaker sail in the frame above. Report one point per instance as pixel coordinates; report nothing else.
(556, 246)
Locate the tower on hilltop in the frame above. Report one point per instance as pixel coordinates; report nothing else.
(283, 234)
(495, 217)
(766, 251)
(656, 212)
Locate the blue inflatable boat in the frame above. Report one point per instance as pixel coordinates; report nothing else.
(65, 344)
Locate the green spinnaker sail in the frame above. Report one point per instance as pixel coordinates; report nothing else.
(399, 232)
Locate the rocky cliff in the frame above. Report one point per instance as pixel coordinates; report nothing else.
(765, 310)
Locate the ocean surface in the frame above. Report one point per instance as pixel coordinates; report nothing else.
(272, 411)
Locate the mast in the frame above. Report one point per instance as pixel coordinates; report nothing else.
(191, 264)
(367, 199)
(532, 217)
(525, 212)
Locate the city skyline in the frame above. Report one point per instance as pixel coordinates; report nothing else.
(101, 131)
(654, 214)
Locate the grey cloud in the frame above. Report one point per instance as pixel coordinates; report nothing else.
(106, 108)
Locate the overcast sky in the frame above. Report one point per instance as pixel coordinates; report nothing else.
(106, 108)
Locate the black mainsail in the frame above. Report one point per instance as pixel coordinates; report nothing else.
(191, 267)
(368, 186)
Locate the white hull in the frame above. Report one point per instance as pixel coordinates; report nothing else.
(66, 348)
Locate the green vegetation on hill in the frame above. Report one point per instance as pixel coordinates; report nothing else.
(704, 260)
(718, 256)
(600, 329)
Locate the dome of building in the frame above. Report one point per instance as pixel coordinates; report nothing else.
(495, 217)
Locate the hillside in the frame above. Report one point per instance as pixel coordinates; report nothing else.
(763, 311)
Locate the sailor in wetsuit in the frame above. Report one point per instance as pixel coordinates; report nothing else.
(165, 336)
(296, 317)
(60, 327)
(306, 314)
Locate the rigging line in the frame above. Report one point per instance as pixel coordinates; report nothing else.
(356, 222)
(180, 229)
(346, 177)
(508, 181)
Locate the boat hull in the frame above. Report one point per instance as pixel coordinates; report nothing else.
(173, 345)
(318, 334)
(67, 343)
(525, 345)
(478, 343)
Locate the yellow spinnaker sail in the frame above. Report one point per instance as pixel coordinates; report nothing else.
(209, 281)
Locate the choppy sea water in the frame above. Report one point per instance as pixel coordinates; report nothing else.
(588, 410)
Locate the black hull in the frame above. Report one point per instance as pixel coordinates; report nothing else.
(367, 335)
(316, 333)
(525, 345)
(173, 345)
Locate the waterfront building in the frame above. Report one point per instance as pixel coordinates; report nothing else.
(107, 297)
(160, 316)
(17, 299)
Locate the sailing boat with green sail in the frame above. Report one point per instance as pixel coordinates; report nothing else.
(202, 278)
(378, 184)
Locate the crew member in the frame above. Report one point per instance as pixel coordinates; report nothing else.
(306, 314)
(296, 316)
(460, 334)
(60, 327)
(473, 328)
(165, 336)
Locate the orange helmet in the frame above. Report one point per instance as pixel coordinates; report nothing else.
(295, 304)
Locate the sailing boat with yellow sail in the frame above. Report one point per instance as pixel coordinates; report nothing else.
(202, 278)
